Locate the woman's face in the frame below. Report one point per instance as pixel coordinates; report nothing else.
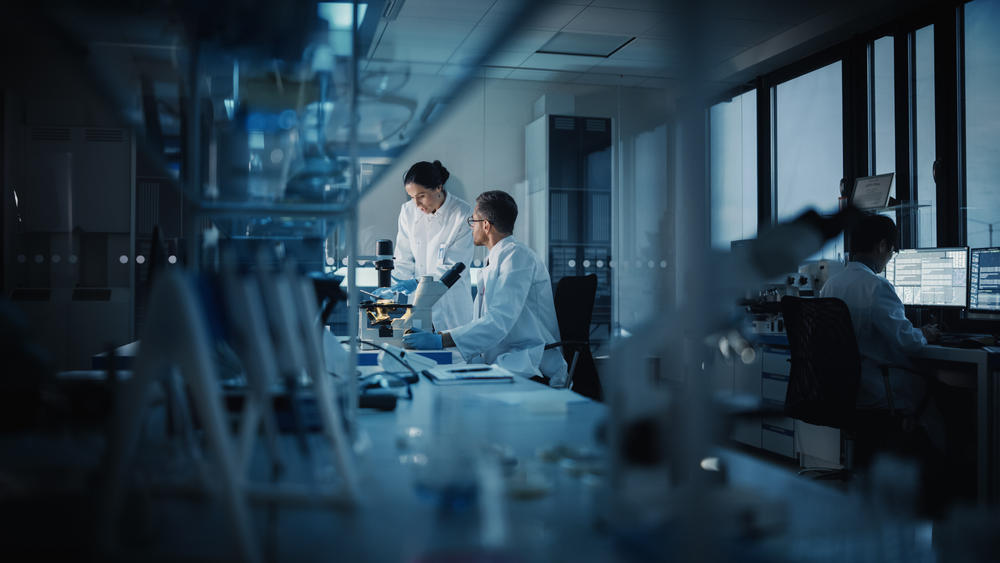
(426, 200)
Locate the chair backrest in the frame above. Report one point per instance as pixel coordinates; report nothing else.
(574, 303)
(826, 364)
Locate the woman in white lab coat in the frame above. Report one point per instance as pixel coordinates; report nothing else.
(432, 237)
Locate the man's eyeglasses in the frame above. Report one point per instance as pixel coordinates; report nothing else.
(471, 219)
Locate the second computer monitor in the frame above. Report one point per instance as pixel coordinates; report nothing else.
(984, 280)
(930, 276)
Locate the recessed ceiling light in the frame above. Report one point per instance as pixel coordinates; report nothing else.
(585, 44)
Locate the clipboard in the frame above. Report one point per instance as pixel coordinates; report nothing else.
(460, 374)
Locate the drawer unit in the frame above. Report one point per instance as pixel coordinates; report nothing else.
(777, 440)
(747, 431)
(776, 362)
(773, 388)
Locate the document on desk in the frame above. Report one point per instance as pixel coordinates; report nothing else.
(468, 373)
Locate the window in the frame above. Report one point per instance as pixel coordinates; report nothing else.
(808, 146)
(884, 107)
(924, 136)
(982, 122)
(733, 136)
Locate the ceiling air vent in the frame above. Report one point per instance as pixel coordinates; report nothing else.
(565, 123)
(50, 134)
(103, 135)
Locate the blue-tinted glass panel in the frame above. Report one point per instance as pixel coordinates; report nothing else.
(923, 178)
(734, 169)
(809, 141)
(982, 122)
(883, 92)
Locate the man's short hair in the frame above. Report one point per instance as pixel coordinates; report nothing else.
(871, 230)
(499, 209)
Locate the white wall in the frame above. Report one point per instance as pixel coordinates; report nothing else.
(481, 141)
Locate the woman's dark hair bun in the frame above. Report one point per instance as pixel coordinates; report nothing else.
(442, 171)
(428, 174)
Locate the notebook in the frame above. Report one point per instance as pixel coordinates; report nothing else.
(468, 373)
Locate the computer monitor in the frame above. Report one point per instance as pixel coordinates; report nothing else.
(930, 276)
(984, 279)
(872, 192)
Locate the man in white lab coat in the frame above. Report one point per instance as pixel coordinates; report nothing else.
(885, 335)
(514, 312)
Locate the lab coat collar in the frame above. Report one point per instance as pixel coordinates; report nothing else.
(493, 256)
(861, 266)
(444, 210)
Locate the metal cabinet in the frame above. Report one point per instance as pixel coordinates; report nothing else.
(568, 168)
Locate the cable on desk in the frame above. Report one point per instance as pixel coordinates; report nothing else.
(416, 376)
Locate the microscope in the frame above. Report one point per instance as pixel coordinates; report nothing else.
(376, 317)
(385, 321)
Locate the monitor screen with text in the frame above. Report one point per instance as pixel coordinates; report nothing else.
(930, 276)
(984, 279)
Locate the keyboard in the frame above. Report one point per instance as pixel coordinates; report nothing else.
(958, 340)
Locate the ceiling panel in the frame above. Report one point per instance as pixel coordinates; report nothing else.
(468, 57)
(560, 62)
(615, 21)
(784, 11)
(648, 5)
(662, 83)
(492, 72)
(643, 68)
(669, 26)
(554, 16)
(422, 39)
(743, 32)
(610, 79)
(459, 10)
(413, 53)
(379, 67)
(453, 70)
(543, 75)
(508, 58)
(528, 40)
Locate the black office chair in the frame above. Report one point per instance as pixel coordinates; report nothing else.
(574, 303)
(825, 375)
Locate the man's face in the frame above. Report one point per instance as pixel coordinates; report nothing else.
(478, 227)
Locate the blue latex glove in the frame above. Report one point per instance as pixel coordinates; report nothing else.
(405, 286)
(384, 293)
(422, 340)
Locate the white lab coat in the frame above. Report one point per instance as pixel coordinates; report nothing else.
(429, 245)
(515, 316)
(884, 335)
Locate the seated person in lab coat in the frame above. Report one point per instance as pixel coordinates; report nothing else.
(514, 315)
(433, 237)
(885, 335)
